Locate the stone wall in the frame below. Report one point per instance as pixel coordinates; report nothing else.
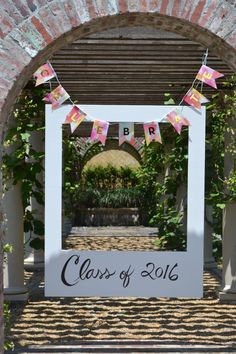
(109, 217)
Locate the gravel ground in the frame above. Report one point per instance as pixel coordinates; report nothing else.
(169, 320)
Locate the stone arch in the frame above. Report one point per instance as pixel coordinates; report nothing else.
(113, 144)
(31, 31)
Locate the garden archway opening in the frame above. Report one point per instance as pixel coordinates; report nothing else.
(32, 40)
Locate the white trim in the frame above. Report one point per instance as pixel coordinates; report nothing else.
(190, 263)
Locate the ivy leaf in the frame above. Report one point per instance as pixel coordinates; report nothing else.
(7, 248)
(38, 227)
(221, 206)
(25, 137)
(10, 135)
(37, 243)
(28, 226)
(38, 184)
(20, 173)
(38, 196)
(169, 102)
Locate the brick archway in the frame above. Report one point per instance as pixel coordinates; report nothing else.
(113, 144)
(32, 30)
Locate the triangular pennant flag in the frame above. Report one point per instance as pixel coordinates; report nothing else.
(195, 98)
(177, 120)
(152, 132)
(43, 74)
(57, 97)
(208, 75)
(74, 118)
(126, 133)
(99, 131)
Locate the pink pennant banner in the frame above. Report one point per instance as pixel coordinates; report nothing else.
(152, 132)
(195, 98)
(177, 120)
(57, 97)
(126, 133)
(74, 118)
(208, 75)
(99, 131)
(44, 74)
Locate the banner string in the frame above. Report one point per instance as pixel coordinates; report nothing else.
(198, 80)
(69, 98)
(204, 62)
(59, 83)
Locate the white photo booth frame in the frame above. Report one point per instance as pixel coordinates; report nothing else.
(124, 273)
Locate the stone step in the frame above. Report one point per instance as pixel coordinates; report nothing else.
(125, 347)
(102, 231)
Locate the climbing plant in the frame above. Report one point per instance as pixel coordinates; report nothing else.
(160, 176)
(23, 164)
(220, 189)
(73, 163)
(161, 187)
(222, 111)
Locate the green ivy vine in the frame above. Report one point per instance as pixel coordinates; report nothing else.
(222, 112)
(221, 189)
(161, 175)
(21, 163)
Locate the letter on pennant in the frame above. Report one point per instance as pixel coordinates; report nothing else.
(57, 97)
(126, 133)
(44, 74)
(208, 75)
(99, 131)
(177, 120)
(195, 98)
(152, 132)
(74, 118)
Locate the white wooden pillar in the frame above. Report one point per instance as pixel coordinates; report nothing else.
(209, 260)
(14, 288)
(228, 292)
(34, 259)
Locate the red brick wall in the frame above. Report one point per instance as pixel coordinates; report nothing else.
(31, 30)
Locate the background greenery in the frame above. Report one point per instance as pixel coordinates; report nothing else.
(21, 163)
(153, 187)
(219, 188)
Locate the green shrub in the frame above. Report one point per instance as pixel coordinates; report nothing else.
(118, 198)
(108, 187)
(108, 177)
